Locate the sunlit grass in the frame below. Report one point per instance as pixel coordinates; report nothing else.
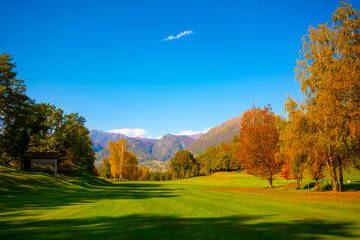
(38, 206)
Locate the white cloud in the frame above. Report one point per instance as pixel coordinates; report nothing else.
(130, 132)
(159, 137)
(178, 36)
(191, 132)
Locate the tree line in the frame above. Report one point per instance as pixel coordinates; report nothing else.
(322, 131)
(28, 126)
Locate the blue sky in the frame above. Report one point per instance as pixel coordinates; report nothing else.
(108, 60)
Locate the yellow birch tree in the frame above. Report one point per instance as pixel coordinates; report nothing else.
(328, 71)
(116, 157)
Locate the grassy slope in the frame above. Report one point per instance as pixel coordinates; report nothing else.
(37, 206)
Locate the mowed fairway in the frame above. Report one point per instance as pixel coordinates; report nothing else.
(37, 206)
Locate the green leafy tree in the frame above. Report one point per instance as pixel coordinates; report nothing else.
(45, 120)
(73, 143)
(106, 168)
(27, 126)
(15, 107)
(207, 161)
(184, 165)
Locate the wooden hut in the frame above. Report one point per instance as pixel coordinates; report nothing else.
(39, 161)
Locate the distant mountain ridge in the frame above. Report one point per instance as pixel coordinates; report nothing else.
(145, 149)
(223, 132)
(165, 148)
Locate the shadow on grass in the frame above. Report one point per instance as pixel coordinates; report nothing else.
(353, 186)
(309, 186)
(163, 227)
(46, 197)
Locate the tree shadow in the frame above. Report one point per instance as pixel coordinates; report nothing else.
(309, 186)
(166, 227)
(353, 186)
(47, 197)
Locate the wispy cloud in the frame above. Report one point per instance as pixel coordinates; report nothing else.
(178, 36)
(130, 132)
(191, 132)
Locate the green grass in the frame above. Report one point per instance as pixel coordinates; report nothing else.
(38, 206)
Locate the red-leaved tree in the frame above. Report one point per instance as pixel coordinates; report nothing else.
(286, 173)
(258, 140)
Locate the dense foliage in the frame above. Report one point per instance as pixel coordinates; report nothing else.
(38, 127)
(15, 109)
(323, 129)
(220, 158)
(258, 144)
(184, 165)
(123, 163)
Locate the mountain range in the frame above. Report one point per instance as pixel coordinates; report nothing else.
(165, 148)
(145, 149)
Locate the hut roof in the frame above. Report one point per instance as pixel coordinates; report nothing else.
(42, 155)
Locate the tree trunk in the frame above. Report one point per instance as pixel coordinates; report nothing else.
(121, 162)
(317, 184)
(341, 178)
(270, 183)
(333, 176)
(297, 183)
(287, 183)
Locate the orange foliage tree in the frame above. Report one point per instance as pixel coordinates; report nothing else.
(143, 174)
(258, 144)
(292, 146)
(123, 164)
(300, 146)
(328, 71)
(130, 166)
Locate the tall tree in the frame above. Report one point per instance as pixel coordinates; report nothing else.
(123, 163)
(116, 157)
(328, 71)
(294, 141)
(258, 144)
(15, 107)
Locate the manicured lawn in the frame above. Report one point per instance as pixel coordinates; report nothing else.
(221, 206)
